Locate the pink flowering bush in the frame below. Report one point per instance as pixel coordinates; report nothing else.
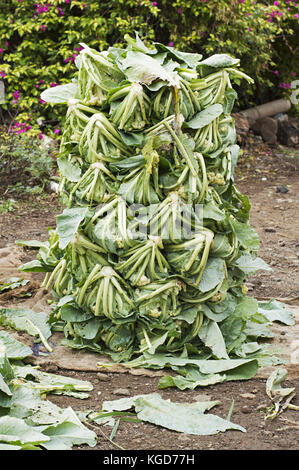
(264, 35)
(40, 41)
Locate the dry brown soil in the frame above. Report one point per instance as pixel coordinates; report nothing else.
(260, 171)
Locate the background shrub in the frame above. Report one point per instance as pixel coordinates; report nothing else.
(26, 164)
(40, 41)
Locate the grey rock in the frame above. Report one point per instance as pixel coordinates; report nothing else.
(288, 132)
(122, 391)
(102, 377)
(282, 189)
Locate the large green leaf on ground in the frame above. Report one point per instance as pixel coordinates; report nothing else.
(16, 431)
(188, 418)
(245, 368)
(14, 349)
(53, 383)
(274, 310)
(29, 321)
(193, 377)
(67, 432)
(13, 283)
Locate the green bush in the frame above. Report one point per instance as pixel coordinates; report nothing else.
(26, 164)
(40, 41)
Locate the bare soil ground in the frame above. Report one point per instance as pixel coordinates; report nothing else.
(269, 176)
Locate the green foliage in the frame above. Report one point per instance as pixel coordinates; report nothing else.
(40, 42)
(25, 164)
(262, 34)
(7, 206)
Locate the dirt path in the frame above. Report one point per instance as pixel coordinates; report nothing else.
(275, 215)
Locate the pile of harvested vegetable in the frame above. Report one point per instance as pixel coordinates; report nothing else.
(148, 261)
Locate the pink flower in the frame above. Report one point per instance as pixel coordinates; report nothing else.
(42, 27)
(276, 72)
(16, 94)
(42, 81)
(67, 1)
(21, 128)
(6, 43)
(293, 74)
(36, 86)
(296, 15)
(276, 3)
(56, 131)
(154, 4)
(53, 84)
(249, 29)
(2, 74)
(60, 11)
(180, 11)
(41, 101)
(40, 136)
(1, 50)
(170, 44)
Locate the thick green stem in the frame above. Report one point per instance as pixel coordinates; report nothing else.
(87, 283)
(182, 150)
